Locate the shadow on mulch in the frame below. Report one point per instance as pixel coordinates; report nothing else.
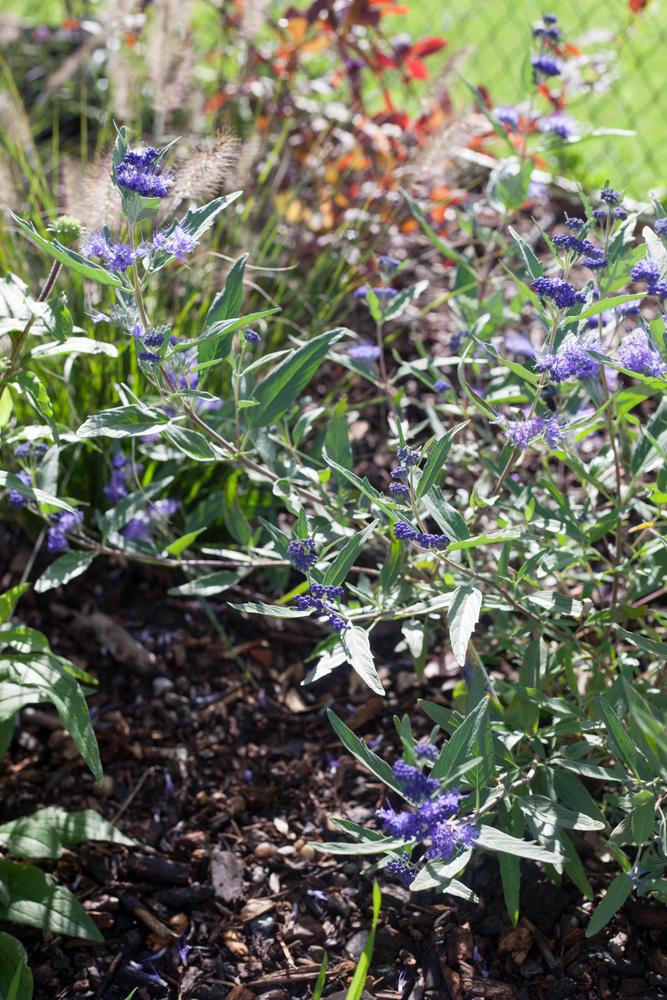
(224, 769)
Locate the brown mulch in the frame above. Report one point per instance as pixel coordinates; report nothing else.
(224, 769)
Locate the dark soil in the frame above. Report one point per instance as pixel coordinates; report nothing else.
(224, 769)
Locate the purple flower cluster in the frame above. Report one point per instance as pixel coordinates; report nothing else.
(661, 227)
(560, 125)
(637, 354)
(301, 553)
(140, 171)
(649, 271)
(400, 869)
(432, 818)
(316, 602)
(594, 257)
(398, 486)
(27, 449)
(16, 499)
(441, 385)
(116, 489)
(609, 196)
(426, 752)
(545, 66)
(387, 263)
(380, 291)
(406, 533)
(140, 528)
(508, 116)
(366, 352)
(121, 256)
(560, 292)
(521, 433)
(252, 337)
(574, 224)
(62, 524)
(572, 359)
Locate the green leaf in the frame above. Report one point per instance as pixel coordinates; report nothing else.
(463, 741)
(210, 584)
(9, 599)
(620, 743)
(437, 242)
(70, 258)
(492, 538)
(365, 847)
(356, 988)
(271, 610)
(436, 458)
(437, 874)
(124, 421)
(12, 482)
(358, 749)
(35, 900)
(445, 516)
(462, 618)
(611, 902)
(340, 567)
(400, 302)
(496, 840)
(642, 817)
(43, 677)
(178, 546)
(46, 832)
(534, 267)
(15, 976)
(66, 567)
(321, 978)
(74, 345)
(359, 655)
(652, 646)
(510, 868)
(551, 600)
(28, 384)
(191, 443)
(228, 302)
(276, 393)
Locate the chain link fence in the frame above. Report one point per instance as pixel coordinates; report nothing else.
(626, 40)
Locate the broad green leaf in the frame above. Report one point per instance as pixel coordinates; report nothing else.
(462, 618)
(12, 482)
(276, 393)
(34, 899)
(436, 458)
(463, 741)
(124, 421)
(191, 443)
(358, 749)
(643, 816)
(271, 610)
(611, 902)
(552, 814)
(65, 568)
(620, 743)
(366, 847)
(496, 840)
(15, 976)
(9, 599)
(534, 267)
(74, 345)
(46, 832)
(211, 584)
(359, 655)
(229, 302)
(445, 516)
(342, 564)
(643, 642)
(70, 258)
(178, 546)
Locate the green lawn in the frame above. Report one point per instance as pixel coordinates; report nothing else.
(494, 34)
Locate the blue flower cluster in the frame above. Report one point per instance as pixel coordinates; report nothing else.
(301, 553)
(549, 29)
(560, 292)
(140, 528)
(591, 256)
(383, 293)
(404, 532)
(522, 432)
(559, 125)
(30, 449)
(140, 171)
(366, 352)
(649, 271)
(62, 524)
(120, 256)
(661, 227)
(252, 337)
(638, 355)
(432, 820)
(16, 499)
(508, 116)
(545, 66)
(116, 489)
(316, 601)
(398, 487)
(387, 263)
(572, 359)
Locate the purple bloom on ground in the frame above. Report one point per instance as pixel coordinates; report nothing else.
(16, 499)
(545, 66)
(638, 355)
(403, 531)
(365, 352)
(301, 553)
(561, 292)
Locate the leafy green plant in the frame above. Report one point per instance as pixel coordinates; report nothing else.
(30, 673)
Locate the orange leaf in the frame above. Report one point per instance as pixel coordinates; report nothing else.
(214, 103)
(297, 28)
(637, 6)
(71, 24)
(416, 69)
(572, 50)
(427, 46)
